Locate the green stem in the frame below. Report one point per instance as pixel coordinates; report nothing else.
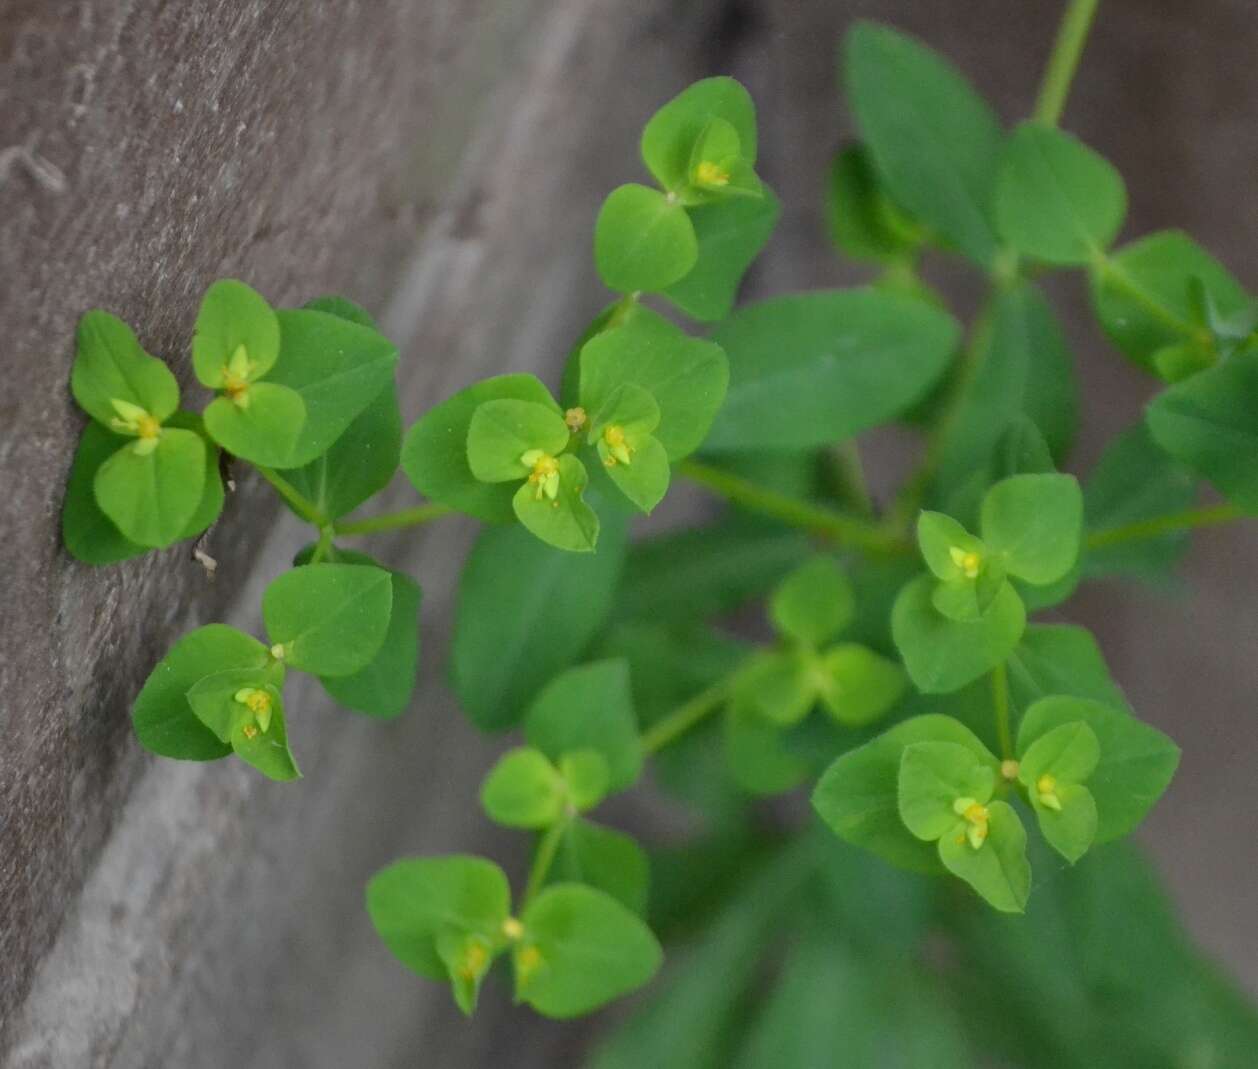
(684, 717)
(392, 521)
(1206, 516)
(1000, 702)
(850, 476)
(323, 547)
(1072, 34)
(904, 509)
(847, 530)
(543, 859)
(302, 505)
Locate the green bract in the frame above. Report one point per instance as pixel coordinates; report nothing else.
(1052, 769)
(671, 140)
(110, 366)
(1135, 765)
(943, 654)
(442, 917)
(328, 619)
(580, 949)
(634, 458)
(685, 376)
(814, 603)
(589, 708)
(858, 796)
(643, 240)
(435, 452)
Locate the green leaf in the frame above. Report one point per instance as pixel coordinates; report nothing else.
(864, 222)
(998, 870)
(1036, 522)
(1060, 659)
(502, 432)
(1137, 761)
(1142, 294)
(686, 376)
(643, 241)
(267, 751)
(164, 721)
(1210, 423)
(934, 141)
(757, 752)
(467, 958)
(943, 655)
(434, 454)
(383, 687)
(1134, 480)
(586, 776)
(89, 534)
(525, 612)
(337, 366)
(814, 603)
(566, 522)
(412, 902)
(933, 777)
(581, 949)
(813, 368)
(153, 496)
(360, 463)
(669, 139)
(730, 234)
(589, 707)
(1051, 770)
(1023, 368)
(645, 480)
(858, 795)
(264, 429)
(607, 860)
(330, 619)
(1069, 752)
(717, 167)
(110, 365)
(1056, 200)
(234, 317)
(524, 790)
(777, 686)
(861, 685)
(701, 572)
(948, 548)
(1069, 827)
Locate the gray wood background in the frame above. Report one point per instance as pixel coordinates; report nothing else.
(442, 162)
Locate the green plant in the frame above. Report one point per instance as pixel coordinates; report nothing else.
(941, 723)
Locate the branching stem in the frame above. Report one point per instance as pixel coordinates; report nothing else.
(1072, 34)
(1206, 516)
(392, 521)
(684, 717)
(547, 848)
(302, 505)
(1000, 703)
(853, 531)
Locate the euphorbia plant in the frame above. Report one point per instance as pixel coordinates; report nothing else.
(945, 726)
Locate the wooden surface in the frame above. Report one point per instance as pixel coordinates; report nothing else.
(442, 162)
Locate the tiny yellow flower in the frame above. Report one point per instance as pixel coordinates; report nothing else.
(543, 473)
(614, 438)
(967, 560)
(711, 174)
